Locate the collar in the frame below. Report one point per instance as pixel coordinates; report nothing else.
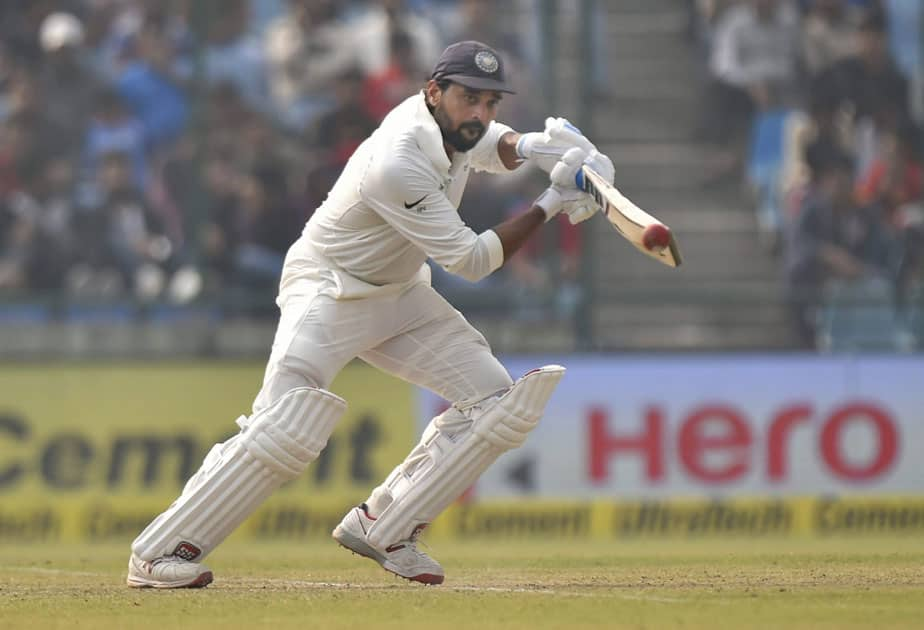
(428, 135)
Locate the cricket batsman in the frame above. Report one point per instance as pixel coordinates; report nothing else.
(356, 284)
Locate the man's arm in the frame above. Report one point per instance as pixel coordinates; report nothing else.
(507, 150)
(516, 230)
(561, 195)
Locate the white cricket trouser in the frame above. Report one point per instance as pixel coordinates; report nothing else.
(414, 334)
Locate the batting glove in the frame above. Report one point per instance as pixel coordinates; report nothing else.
(560, 131)
(545, 148)
(578, 205)
(566, 194)
(602, 165)
(567, 171)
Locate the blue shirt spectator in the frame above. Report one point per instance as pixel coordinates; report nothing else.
(112, 129)
(157, 101)
(905, 18)
(235, 56)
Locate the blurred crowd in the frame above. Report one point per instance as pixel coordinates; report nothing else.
(162, 150)
(818, 104)
(166, 150)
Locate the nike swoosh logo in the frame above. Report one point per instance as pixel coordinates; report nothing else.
(411, 205)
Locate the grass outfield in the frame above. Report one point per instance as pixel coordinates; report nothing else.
(858, 583)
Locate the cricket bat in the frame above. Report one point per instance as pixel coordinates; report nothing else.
(649, 235)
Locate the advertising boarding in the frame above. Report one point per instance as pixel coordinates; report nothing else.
(727, 444)
(92, 452)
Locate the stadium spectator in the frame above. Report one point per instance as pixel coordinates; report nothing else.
(46, 202)
(17, 212)
(123, 245)
(342, 129)
(869, 78)
(895, 177)
(704, 16)
(894, 183)
(477, 19)
(116, 29)
(17, 140)
(66, 85)
(151, 89)
(905, 18)
(265, 228)
(824, 129)
(234, 56)
(112, 128)
(834, 239)
(371, 34)
(754, 65)
(26, 109)
(20, 22)
(829, 34)
(307, 48)
(402, 77)
(218, 232)
(92, 91)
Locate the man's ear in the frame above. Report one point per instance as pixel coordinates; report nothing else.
(433, 93)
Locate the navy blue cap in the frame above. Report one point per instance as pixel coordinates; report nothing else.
(472, 64)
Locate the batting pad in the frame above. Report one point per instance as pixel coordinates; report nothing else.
(236, 477)
(445, 464)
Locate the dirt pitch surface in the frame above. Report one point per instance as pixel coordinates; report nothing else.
(846, 583)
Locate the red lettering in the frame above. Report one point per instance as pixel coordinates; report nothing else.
(887, 441)
(729, 432)
(777, 443)
(715, 443)
(604, 445)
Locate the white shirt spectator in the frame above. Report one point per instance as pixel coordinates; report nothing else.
(828, 39)
(748, 50)
(371, 33)
(304, 61)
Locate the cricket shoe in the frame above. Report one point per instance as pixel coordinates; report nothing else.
(167, 572)
(402, 558)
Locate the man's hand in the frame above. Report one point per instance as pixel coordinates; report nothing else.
(566, 193)
(545, 148)
(570, 135)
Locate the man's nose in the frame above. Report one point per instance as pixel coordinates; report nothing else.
(480, 113)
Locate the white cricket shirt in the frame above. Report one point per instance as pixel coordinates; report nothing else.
(396, 204)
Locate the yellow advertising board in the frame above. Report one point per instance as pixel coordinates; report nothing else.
(684, 518)
(94, 451)
(91, 452)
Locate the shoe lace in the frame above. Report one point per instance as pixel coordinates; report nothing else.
(414, 539)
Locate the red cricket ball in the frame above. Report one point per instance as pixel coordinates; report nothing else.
(656, 237)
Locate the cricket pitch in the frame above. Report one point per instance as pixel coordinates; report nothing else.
(830, 583)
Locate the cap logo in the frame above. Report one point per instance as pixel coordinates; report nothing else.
(486, 61)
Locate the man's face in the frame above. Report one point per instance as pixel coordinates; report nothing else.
(462, 113)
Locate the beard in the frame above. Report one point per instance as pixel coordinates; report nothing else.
(457, 138)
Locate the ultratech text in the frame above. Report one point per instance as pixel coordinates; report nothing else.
(717, 517)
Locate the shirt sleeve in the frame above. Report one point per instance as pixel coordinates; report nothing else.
(407, 195)
(484, 154)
